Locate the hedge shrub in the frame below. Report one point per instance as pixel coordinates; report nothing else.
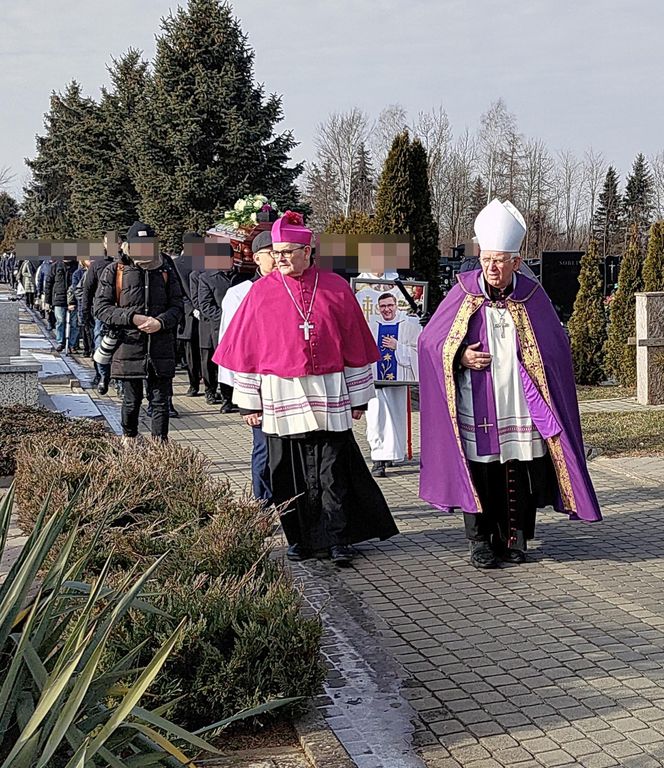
(246, 639)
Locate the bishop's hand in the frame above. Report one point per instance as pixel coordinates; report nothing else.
(253, 419)
(474, 359)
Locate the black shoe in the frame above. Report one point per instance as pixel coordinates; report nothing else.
(297, 553)
(60, 347)
(173, 413)
(341, 554)
(102, 386)
(482, 556)
(378, 469)
(228, 407)
(211, 398)
(508, 555)
(191, 392)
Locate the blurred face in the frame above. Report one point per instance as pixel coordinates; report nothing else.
(387, 309)
(264, 260)
(291, 258)
(498, 267)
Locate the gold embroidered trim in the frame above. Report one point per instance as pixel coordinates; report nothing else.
(532, 362)
(469, 306)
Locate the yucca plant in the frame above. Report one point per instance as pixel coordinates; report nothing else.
(58, 706)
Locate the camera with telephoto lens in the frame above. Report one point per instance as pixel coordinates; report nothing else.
(107, 346)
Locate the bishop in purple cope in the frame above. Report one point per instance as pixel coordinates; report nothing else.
(500, 427)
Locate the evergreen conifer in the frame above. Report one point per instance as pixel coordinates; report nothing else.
(425, 253)
(607, 223)
(363, 183)
(638, 201)
(620, 357)
(587, 325)
(204, 132)
(653, 267)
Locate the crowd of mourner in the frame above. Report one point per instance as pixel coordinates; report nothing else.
(291, 351)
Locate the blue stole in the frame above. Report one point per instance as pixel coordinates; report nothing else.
(387, 365)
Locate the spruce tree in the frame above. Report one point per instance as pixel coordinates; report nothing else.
(587, 325)
(620, 357)
(8, 211)
(103, 195)
(638, 201)
(425, 253)
(321, 194)
(47, 196)
(606, 224)
(477, 202)
(653, 267)
(204, 132)
(363, 183)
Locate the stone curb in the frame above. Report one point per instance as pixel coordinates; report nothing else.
(319, 742)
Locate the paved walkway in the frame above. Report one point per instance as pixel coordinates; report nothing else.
(557, 662)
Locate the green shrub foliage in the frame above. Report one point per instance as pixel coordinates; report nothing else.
(653, 267)
(621, 356)
(587, 326)
(246, 639)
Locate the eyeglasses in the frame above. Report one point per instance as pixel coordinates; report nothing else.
(496, 262)
(286, 254)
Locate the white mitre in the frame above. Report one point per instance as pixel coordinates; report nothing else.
(500, 227)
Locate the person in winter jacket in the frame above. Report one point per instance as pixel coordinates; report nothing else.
(85, 330)
(58, 297)
(90, 284)
(187, 332)
(212, 287)
(139, 297)
(26, 277)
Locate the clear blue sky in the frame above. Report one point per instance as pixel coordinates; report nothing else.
(575, 72)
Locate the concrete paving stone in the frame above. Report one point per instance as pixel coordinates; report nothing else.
(622, 749)
(460, 739)
(627, 724)
(640, 761)
(581, 747)
(445, 727)
(512, 755)
(540, 744)
(557, 757)
(485, 763)
(466, 754)
(645, 737)
(511, 720)
(600, 760)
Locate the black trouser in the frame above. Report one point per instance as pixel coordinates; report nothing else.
(210, 370)
(159, 389)
(192, 357)
(30, 299)
(88, 336)
(508, 503)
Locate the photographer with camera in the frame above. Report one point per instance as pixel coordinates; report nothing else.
(140, 299)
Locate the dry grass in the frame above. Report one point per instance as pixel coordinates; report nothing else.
(608, 392)
(628, 433)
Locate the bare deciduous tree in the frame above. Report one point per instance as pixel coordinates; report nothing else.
(434, 131)
(498, 142)
(657, 168)
(338, 142)
(537, 192)
(6, 177)
(594, 171)
(391, 121)
(568, 188)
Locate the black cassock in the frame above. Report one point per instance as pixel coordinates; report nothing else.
(510, 494)
(333, 499)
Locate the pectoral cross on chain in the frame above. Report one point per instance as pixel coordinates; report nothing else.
(502, 325)
(306, 326)
(485, 426)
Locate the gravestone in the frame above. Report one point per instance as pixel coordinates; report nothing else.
(650, 348)
(18, 375)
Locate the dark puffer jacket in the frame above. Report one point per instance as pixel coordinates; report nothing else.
(154, 292)
(58, 282)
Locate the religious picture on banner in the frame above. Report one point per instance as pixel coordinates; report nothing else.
(394, 325)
